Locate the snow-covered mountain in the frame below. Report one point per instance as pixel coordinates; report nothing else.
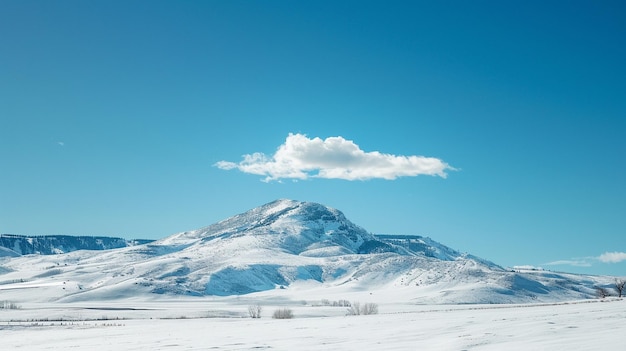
(283, 247)
(13, 245)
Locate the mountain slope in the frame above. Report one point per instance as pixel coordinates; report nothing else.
(282, 247)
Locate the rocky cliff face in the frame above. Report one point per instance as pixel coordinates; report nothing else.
(56, 244)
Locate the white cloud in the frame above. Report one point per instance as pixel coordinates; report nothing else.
(60, 143)
(607, 257)
(577, 262)
(612, 257)
(528, 267)
(333, 158)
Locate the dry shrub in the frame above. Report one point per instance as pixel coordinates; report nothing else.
(283, 313)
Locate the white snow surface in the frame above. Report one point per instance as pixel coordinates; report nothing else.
(218, 324)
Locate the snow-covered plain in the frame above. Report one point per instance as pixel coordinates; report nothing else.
(223, 324)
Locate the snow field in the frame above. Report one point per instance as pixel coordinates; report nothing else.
(584, 325)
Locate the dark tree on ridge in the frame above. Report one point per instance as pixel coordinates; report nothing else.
(619, 286)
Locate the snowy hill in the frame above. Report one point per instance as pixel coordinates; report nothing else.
(56, 244)
(286, 247)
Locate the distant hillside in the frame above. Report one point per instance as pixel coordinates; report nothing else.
(57, 244)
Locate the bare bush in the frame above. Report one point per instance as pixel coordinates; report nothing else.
(254, 311)
(356, 309)
(602, 292)
(619, 286)
(369, 308)
(8, 305)
(342, 303)
(337, 303)
(283, 313)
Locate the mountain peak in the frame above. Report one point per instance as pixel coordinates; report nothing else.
(293, 226)
(291, 208)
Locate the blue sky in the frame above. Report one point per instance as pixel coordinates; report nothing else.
(495, 127)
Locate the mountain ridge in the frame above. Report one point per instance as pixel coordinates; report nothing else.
(287, 245)
(57, 244)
